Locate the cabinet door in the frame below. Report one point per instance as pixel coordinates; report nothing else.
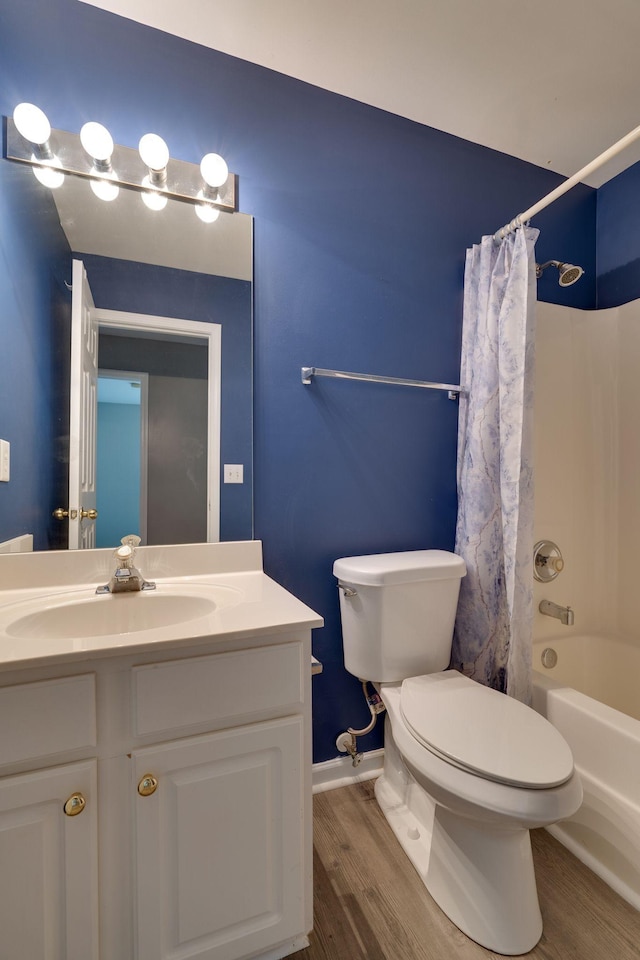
(48, 865)
(220, 872)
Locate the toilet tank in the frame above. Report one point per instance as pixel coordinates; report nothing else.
(399, 622)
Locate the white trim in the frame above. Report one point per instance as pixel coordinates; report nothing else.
(212, 333)
(340, 772)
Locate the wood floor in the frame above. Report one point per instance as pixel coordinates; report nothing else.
(371, 905)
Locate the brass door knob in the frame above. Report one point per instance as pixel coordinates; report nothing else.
(61, 514)
(147, 785)
(89, 514)
(75, 805)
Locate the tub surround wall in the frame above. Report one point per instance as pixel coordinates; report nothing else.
(587, 460)
(628, 501)
(577, 463)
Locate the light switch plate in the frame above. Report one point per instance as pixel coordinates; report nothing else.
(234, 473)
(5, 450)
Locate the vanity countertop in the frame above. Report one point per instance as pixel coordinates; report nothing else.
(222, 588)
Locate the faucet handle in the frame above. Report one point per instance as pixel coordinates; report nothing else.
(124, 554)
(131, 540)
(124, 560)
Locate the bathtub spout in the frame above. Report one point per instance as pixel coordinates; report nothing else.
(563, 614)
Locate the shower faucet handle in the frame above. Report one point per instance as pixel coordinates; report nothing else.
(548, 562)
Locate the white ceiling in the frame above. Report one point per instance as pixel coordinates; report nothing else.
(552, 83)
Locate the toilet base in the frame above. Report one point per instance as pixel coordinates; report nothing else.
(481, 876)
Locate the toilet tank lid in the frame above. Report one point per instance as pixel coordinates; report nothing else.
(404, 567)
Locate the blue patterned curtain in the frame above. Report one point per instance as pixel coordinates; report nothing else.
(494, 532)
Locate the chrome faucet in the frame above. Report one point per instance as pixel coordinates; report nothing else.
(126, 577)
(551, 609)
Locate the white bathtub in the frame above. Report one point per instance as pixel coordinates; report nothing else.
(591, 696)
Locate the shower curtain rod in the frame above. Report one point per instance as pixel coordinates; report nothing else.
(568, 184)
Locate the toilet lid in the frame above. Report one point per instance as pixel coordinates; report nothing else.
(484, 732)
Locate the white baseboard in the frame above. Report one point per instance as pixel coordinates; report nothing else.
(340, 772)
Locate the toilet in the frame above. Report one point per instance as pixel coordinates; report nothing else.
(468, 771)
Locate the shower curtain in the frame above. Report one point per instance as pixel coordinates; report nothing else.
(494, 531)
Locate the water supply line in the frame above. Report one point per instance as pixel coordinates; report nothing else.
(346, 742)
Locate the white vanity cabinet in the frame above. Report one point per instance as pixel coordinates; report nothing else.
(193, 770)
(48, 865)
(155, 758)
(48, 852)
(219, 872)
(221, 819)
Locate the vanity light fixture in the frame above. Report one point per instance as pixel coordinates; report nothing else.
(93, 155)
(152, 197)
(98, 144)
(215, 173)
(154, 153)
(33, 125)
(206, 212)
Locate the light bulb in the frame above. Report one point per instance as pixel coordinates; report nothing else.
(152, 198)
(47, 176)
(214, 170)
(32, 123)
(97, 141)
(103, 188)
(207, 213)
(154, 151)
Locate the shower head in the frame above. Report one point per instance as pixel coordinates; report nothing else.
(568, 272)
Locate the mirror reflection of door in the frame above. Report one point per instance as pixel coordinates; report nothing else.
(81, 508)
(164, 485)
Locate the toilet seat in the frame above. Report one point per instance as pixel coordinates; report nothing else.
(484, 732)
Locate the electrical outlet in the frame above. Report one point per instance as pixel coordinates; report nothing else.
(5, 450)
(234, 473)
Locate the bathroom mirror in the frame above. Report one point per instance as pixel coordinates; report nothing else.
(157, 267)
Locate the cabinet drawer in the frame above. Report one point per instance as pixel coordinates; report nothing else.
(48, 717)
(220, 687)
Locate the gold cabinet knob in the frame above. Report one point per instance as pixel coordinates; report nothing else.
(147, 785)
(75, 805)
(89, 514)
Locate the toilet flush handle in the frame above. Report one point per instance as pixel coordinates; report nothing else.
(348, 591)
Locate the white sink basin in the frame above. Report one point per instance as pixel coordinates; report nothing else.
(85, 614)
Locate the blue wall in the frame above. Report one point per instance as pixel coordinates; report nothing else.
(35, 313)
(118, 444)
(618, 239)
(361, 223)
